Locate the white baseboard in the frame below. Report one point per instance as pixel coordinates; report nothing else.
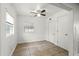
(12, 50)
(28, 41)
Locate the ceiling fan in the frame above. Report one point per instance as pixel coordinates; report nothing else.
(39, 12)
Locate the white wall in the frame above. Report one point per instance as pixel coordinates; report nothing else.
(39, 29)
(0, 29)
(8, 44)
(76, 30)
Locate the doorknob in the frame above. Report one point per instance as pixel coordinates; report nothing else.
(66, 34)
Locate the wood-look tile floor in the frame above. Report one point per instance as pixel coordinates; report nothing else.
(40, 48)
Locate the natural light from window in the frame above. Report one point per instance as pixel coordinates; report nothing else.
(9, 24)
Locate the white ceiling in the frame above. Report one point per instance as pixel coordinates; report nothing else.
(26, 8)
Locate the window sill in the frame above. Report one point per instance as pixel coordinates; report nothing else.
(8, 35)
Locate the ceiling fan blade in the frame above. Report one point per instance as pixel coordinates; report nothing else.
(43, 11)
(34, 12)
(43, 14)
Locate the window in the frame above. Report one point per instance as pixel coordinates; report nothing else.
(29, 27)
(9, 24)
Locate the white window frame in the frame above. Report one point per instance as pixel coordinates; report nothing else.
(9, 22)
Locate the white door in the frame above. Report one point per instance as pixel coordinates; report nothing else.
(65, 32)
(52, 30)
